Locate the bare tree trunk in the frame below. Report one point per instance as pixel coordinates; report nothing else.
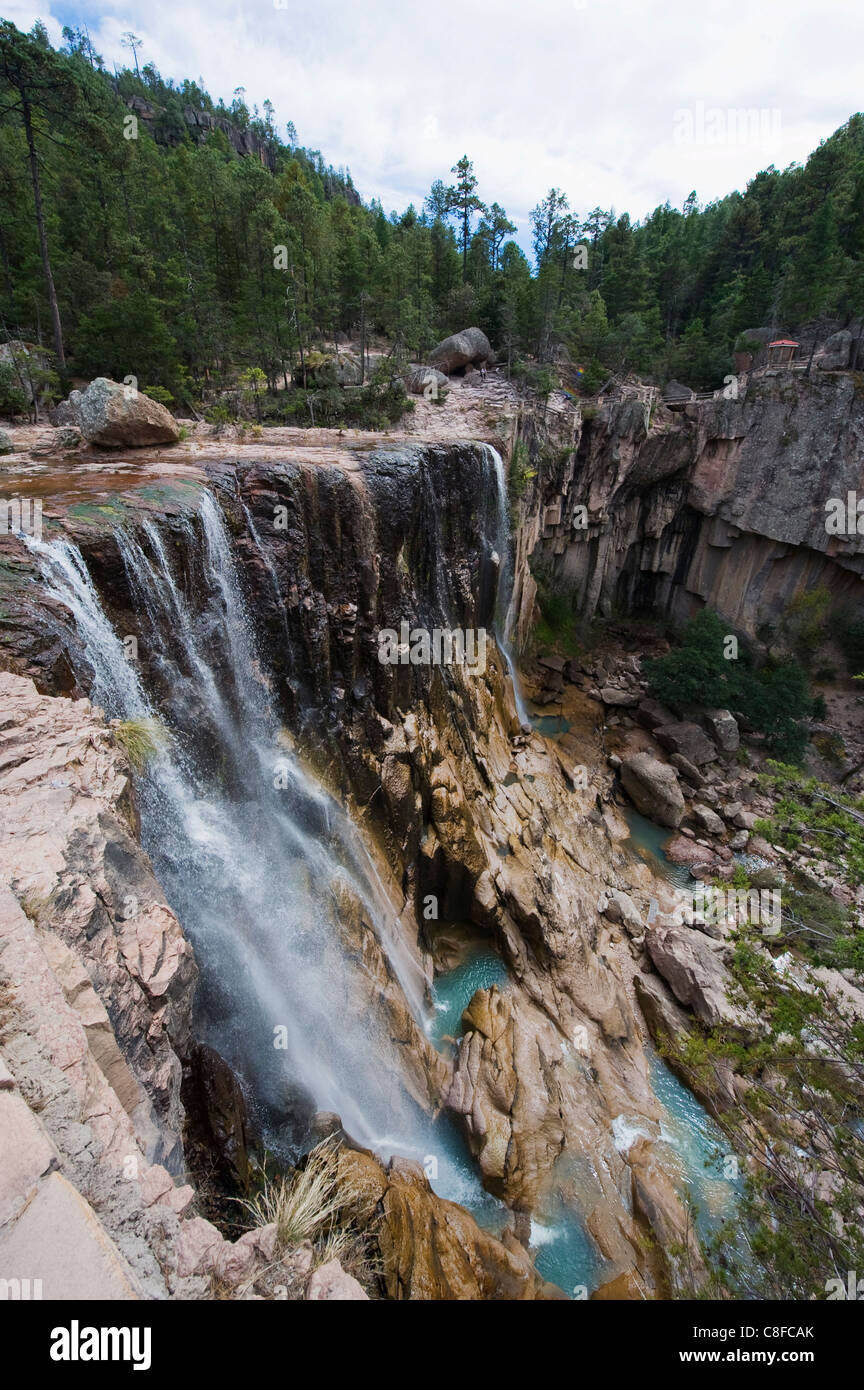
(297, 327)
(43, 240)
(7, 274)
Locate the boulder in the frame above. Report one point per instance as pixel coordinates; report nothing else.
(6, 445)
(471, 347)
(690, 964)
(688, 740)
(621, 908)
(119, 417)
(430, 1249)
(681, 850)
(656, 1199)
(623, 698)
(331, 1282)
(426, 381)
(653, 788)
(667, 1021)
(651, 714)
(61, 414)
(553, 663)
(834, 357)
(690, 773)
(332, 369)
(708, 819)
(676, 391)
(723, 728)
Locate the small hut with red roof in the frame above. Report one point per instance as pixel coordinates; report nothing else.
(781, 352)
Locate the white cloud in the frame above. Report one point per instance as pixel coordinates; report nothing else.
(581, 94)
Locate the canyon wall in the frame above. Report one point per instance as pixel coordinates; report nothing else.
(721, 503)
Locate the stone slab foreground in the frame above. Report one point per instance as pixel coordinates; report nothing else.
(59, 1240)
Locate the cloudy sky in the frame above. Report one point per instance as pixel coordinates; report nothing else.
(621, 103)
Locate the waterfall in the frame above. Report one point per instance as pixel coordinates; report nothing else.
(267, 874)
(502, 549)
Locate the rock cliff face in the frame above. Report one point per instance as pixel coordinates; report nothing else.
(68, 851)
(722, 503)
(96, 991)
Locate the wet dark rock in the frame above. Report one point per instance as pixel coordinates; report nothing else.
(216, 1097)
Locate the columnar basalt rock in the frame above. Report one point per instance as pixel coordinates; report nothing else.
(722, 504)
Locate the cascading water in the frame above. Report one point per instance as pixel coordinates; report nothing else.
(262, 867)
(500, 541)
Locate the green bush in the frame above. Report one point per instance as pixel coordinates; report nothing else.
(696, 672)
(375, 406)
(772, 700)
(160, 395)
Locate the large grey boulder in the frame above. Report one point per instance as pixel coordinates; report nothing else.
(675, 392)
(61, 414)
(651, 714)
(624, 699)
(6, 444)
(333, 369)
(620, 907)
(834, 357)
(708, 819)
(471, 347)
(688, 740)
(653, 788)
(723, 728)
(690, 773)
(118, 417)
(426, 381)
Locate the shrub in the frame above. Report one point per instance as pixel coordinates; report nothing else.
(696, 672)
(160, 395)
(140, 739)
(317, 1204)
(803, 624)
(771, 700)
